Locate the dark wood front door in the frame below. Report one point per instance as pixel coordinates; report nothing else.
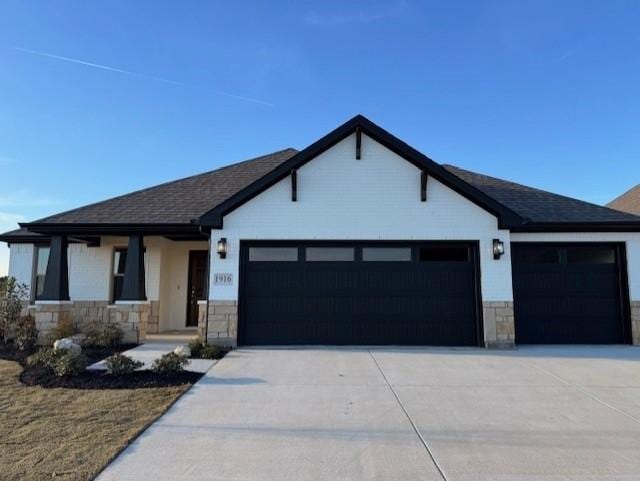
(195, 292)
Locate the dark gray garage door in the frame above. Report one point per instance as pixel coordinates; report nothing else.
(568, 293)
(359, 293)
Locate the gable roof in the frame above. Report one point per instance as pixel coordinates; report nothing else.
(539, 207)
(359, 123)
(186, 206)
(627, 202)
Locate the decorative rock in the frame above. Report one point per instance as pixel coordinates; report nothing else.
(182, 351)
(66, 344)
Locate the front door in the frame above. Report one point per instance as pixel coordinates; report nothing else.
(195, 291)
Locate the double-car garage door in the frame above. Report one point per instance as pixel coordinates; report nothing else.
(426, 293)
(359, 293)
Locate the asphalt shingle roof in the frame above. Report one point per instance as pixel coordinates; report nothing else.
(176, 202)
(627, 202)
(538, 205)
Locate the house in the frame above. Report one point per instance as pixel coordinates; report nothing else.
(627, 202)
(357, 239)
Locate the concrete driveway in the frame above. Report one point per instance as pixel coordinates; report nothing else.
(552, 414)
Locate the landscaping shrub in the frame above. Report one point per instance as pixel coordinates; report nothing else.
(119, 365)
(13, 292)
(204, 350)
(61, 363)
(103, 334)
(26, 333)
(63, 329)
(69, 363)
(170, 363)
(44, 357)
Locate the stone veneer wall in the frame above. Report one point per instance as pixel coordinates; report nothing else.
(635, 322)
(49, 315)
(132, 319)
(223, 322)
(499, 324)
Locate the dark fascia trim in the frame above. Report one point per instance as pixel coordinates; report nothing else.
(506, 217)
(25, 239)
(577, 227)
(113, 229)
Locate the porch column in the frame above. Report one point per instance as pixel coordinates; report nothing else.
(133, 283)
(56, 280)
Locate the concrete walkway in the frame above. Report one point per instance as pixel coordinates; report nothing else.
(149, 352)
(552, 414)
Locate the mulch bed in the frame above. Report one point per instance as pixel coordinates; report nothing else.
(38, 376)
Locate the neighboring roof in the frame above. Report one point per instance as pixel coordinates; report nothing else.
(539, 206)
(176, 202)
(627, 202)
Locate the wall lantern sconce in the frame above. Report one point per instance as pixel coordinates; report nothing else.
(221, 248)
(498, 248)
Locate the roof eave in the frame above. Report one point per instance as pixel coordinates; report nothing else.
(111, 228)
(540, 227)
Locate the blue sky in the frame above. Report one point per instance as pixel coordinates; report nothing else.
(100, 98)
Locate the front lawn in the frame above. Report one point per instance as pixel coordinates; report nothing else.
(69, 434)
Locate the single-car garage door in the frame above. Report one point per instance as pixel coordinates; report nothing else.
(569, 293)
(359, 293)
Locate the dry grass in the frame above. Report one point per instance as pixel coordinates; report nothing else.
(68, 434)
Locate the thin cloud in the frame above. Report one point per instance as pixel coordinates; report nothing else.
(135, 74)
(364, 15)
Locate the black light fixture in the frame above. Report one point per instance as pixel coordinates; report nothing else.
(221, 248)
(498, 248)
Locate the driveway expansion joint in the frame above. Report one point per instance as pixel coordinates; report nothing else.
(409, 418)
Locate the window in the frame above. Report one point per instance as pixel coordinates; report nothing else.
(386, 254)
(590, 255)
(119, 261)
(330, 254)
(273, 254)
(537, 255)
(40, 271)
(444, 254)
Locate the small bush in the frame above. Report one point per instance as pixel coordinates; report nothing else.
(69, 363)
(44, 357)
(61, 363)
(26, 333)
(103, 334)
(62, 330)
(170, 363)
(204, 350)
(120, 365)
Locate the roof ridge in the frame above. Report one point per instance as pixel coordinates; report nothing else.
(169, 182)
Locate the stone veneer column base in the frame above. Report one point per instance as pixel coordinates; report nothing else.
(49, 315)
(132, 317)
(223, 322)
(499, 324)
(635, 322)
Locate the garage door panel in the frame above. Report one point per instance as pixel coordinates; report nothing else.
(567, 294)
(359, 302)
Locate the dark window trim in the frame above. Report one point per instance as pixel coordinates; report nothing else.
(114, 249)
(34, 271)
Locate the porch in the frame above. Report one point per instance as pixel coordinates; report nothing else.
(149, 285)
